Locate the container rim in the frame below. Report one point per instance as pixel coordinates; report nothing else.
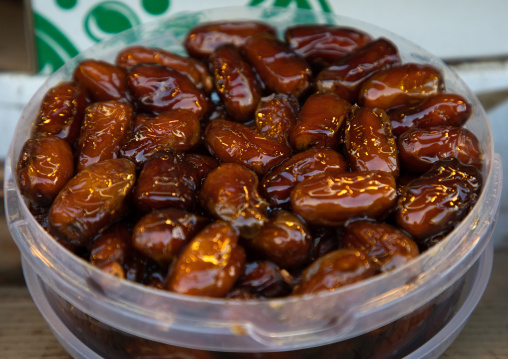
(278, 324)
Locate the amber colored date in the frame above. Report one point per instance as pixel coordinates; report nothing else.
(284, 239)
(162, 234)
(265, 279)
(280, 69)
(453, 187)
(334, 270)
(444, 109)
(419, 149)
(370, 145)
(112, 246)
(235, 82)
(347, 74)
(166, 180)
(61, 111)
(157, 89)
(104, 131)
(401, 85)
(331, 199)
(103, 80)
(324, 44)
(178, 130)
(276, 115)
(203, 39)
(385, 245)
(230, 193)
(210, 264)
(234, 142)
(193, 69)
(44, 167)
(93, 199)
(276, 186)
(319, 122)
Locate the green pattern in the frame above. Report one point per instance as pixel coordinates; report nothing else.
(301, 4)
(155, 7)
(53, 47)
(108, 18)
(66, 4)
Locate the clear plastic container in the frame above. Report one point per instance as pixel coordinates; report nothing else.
(475, 282)
(389, 315)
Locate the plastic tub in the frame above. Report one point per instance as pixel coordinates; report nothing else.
(389, 315)
(475, 282)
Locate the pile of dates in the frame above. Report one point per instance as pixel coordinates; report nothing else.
(254, 167)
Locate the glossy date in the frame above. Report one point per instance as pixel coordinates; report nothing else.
(331, 199)
(230, 193)
(453, 187)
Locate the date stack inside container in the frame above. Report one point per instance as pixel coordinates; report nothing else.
(255, 166)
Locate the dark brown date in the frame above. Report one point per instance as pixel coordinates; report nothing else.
(401, 85)
(103, 80)
(284, 239)
(319, 122)
(203, 39)
(157, 89)
(162, 234)
(178, 130)
(193, 69)
(166, 180)
(419, 149)
(276, 115)
(230, 193)
(385, 245)
(265, 280)
(93, 199)
(112, 246)
(276, 186)
(210, 264)
(234, 142)
(280, 69)
(324, 240)
(370, 145)
(453, 187)
(439, 110)
(324, 44)
(346, 75)
(331, 199)
(204, 164)
(61, 111)
(139, 268)
(45, 166)
(334, 270)
(140, 119)
(235, 82)
(104, 131)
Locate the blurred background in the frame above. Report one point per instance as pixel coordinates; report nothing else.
(38, 36)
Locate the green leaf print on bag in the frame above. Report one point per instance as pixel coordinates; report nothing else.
(301, 4)
(108, 18)
(53, 48)
(155, 7)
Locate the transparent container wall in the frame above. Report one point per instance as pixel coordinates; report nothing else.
(400, 338)
(254, 325)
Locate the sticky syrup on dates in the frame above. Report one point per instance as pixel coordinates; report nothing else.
(254, 166)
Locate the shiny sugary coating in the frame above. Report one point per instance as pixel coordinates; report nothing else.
(210, 264)
(92, 200)
(255, 167)
(453, 187)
